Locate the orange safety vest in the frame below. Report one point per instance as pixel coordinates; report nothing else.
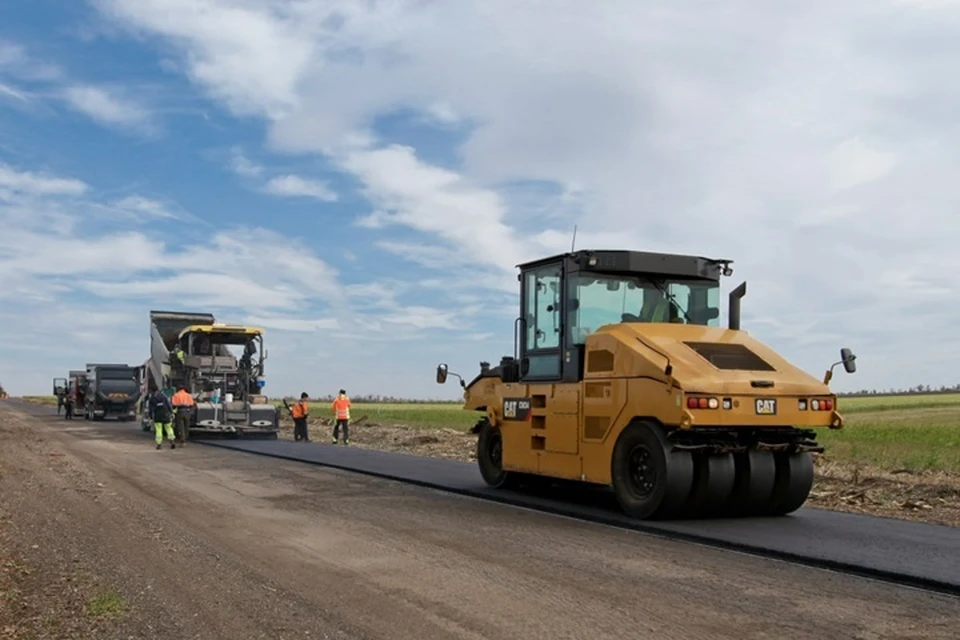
(341, 406)
(300, 410)
(182, 399)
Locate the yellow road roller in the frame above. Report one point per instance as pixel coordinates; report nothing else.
(622, 376)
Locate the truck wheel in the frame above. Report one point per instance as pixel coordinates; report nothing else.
(713, 478)
(490, 457)
(794, 479)
(756, 474)
(649, 479)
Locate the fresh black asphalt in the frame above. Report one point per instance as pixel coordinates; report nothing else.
(918, 554)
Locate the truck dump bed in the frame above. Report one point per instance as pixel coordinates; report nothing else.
(165, 327)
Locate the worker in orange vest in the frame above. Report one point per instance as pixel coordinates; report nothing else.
(341, 411)
(183, 404)
(300, 412)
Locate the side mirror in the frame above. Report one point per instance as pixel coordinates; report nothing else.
(441, 373)
(849, 360)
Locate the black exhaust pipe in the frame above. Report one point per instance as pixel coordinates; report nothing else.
(735, 296)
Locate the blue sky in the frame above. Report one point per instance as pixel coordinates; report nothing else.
(361, 178)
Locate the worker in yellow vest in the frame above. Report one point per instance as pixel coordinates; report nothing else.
(341, 412)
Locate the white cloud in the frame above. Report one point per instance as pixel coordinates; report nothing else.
(853, 162)
(294, 324)
(109, 108)
(243, 165)
(30, 183)
(16, 61)
(266, 57)
(142, 206)
(435, 200)
(422, 317)
(293, 186)
(9, 91)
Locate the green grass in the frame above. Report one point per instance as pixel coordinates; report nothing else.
(106, 605)
(897, 403)
(415, 415)
(919, 433)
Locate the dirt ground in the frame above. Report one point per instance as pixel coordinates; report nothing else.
(105, 537)
(927, 497)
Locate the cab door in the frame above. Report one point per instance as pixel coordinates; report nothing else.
(554, 420)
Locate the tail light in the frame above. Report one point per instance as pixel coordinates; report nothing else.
(702, 402)
(815, 404)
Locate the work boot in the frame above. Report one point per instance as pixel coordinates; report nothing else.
(346, 442)
(158, 447)
(173, 446)
(334, 441)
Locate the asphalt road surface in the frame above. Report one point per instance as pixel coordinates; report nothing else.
(211, 543)
(896, 549)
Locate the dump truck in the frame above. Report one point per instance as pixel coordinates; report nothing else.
(622, 377)
(112, 392)
(192, 350)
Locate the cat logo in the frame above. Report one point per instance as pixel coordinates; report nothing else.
(766, 406)
(516, 408)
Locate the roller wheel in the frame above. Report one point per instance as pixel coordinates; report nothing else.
(650, 481)
(713, 479)
(794, 479)
(756, 473)
(490, 458)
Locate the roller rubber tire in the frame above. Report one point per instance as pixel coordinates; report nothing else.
(794, 479)
(649, 480)
(755, 477)
(490, 458)
(713, 479)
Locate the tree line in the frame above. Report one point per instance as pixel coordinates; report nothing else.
(920, 389)
(373, 399)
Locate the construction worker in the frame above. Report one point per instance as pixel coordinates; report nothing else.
(161, 412)
(183, 404)
(341, 411)
(68, 401)
(300, 412)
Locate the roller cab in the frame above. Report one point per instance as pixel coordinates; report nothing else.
(622, 375)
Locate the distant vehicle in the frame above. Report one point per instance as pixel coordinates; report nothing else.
(112, 391)
(227, 388)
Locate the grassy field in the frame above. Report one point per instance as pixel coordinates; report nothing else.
(417, 416)
(893, 433)
(908, 433)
